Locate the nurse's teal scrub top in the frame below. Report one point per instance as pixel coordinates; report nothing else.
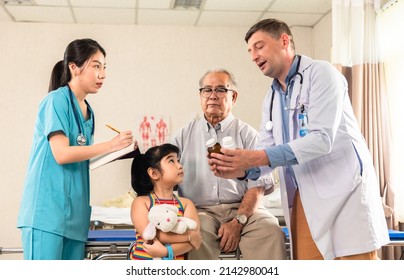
(56, 197)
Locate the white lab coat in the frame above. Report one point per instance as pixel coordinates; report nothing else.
(343, 208)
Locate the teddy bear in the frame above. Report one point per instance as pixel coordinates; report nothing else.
(164, 217)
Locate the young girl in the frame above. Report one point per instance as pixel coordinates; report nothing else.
(155, 174)
(55, 211)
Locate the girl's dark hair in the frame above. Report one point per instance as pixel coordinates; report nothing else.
(141, 181)
(78, 52)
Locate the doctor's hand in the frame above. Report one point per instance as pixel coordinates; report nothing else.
(235, 163)
(230, 164)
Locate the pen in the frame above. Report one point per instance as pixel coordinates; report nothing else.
(114, 129)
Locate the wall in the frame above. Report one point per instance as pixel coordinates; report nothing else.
(322, 38)
(150, 70)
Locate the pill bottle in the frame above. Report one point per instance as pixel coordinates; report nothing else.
(228, 143)
(213, 146)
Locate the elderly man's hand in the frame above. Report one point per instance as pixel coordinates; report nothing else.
(230, 236)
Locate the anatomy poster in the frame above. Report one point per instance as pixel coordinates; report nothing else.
(152, 130)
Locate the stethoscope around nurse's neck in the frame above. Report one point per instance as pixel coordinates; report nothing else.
(269, 125)
(81, 138)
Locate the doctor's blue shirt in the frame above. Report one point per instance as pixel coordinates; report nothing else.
(280, 155)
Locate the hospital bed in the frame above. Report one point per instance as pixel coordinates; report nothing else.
(111, 244)
(112, 232)
(396, 238)
(114, 244)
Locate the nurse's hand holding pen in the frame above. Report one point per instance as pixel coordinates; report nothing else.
(235, 163)
(122, 140)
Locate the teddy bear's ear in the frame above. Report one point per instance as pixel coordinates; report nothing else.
(149, 232)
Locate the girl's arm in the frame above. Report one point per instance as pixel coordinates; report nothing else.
(157, 249)
(139, 212)
(64, 153)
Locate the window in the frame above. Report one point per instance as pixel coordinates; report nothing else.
(391, 24)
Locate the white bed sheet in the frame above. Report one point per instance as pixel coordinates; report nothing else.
(111, 215)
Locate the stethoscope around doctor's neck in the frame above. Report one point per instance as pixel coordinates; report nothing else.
(81, 138)
(269, 125)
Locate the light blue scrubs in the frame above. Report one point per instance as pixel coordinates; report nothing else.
(56, 197)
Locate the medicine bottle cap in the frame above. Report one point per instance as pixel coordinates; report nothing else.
(210, 142)
(228, 142)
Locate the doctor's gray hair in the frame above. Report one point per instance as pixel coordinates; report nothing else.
(274, 27)
(232, 79)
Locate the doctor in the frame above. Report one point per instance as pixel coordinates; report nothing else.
(330, 193)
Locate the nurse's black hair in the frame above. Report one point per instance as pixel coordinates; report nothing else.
(56, 75)
(79, 51)
(141, 181)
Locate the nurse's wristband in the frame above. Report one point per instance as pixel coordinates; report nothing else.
(170, 253)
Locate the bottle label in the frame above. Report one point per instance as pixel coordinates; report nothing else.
(215, 149)
(228, 143)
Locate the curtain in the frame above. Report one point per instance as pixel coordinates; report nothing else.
(355, 52)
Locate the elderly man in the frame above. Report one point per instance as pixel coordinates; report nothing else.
(229, 210)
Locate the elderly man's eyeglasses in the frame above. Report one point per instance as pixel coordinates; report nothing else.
(220, 91)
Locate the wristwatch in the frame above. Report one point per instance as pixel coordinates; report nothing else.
(241, 219)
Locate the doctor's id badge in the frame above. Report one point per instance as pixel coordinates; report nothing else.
(302, 118)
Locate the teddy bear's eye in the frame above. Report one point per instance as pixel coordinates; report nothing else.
(158, 224)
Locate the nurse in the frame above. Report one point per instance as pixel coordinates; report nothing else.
(330, 193)
(55, 209)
